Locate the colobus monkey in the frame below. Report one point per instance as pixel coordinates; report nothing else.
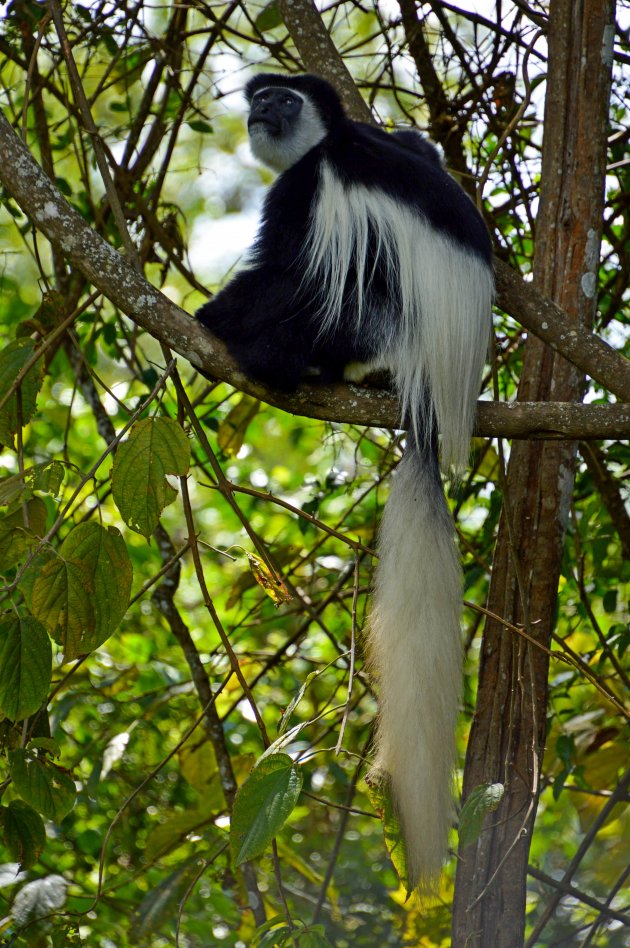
(369, 255)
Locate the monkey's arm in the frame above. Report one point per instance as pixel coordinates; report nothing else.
(263, 324)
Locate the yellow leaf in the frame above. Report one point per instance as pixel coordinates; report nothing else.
(273, 586)
(233, 428)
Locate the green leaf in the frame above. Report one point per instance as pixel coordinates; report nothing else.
(13, 488)
(35, 567)
(52, 309)
(103, 555)
(38, 899)
(48, 788)
(275, 933)
(558, 784)
(276, 938)
(609, 600)
(82, 592)
(271, 923)
(173, 832)
(233, 428)
(13, 358)
(65, 934)
(198, 125)
(481, 800)
(565, 749)
(20, 529)
(379, 792)
(198, 766)
(155, 447)
(23, 833)
(269, 17)
(285, 718)
(62, 599)
(47, 744)
(25, 666)
(262, 805)
(63, 186)
(313, 937)
(46, 477)
(311, 506)
(162, 902)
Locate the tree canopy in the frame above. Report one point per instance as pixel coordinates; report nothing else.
(186, 558)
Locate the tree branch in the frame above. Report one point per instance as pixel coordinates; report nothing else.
(319, 54)
(115, 277)
(443, 127)
(552, 325)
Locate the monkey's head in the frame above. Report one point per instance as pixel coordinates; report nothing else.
(289, 115)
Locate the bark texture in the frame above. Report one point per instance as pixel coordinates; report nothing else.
(507, 737)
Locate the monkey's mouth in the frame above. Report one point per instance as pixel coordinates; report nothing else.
(264, 125)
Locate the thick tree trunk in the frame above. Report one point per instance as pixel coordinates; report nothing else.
(507, 737)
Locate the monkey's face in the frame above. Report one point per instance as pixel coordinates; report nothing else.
(283, 126)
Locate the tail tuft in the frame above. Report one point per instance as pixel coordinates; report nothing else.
(415, 655)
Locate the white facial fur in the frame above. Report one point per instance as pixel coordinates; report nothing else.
(280, 153)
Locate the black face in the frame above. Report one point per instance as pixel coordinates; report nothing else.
(274, 108)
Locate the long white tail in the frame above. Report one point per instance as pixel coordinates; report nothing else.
(433, 337)
(415, 653)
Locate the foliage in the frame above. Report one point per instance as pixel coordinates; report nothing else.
(186, 571)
